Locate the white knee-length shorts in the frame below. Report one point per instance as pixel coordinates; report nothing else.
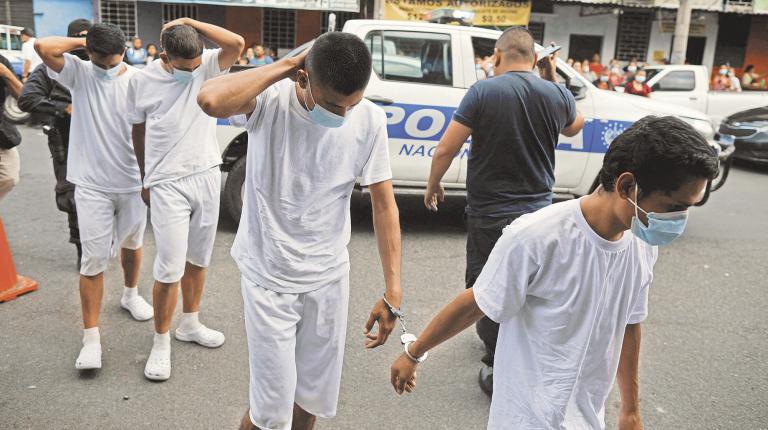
(108, 221)
(185, 214)
(296, 351)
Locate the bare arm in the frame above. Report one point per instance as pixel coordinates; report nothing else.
(11, 81)
(231, 44)
(25, 69)
(138, 133)
(52, 49)
(454, 318)
(453, 138)
(386, 225)
(575, 127)
(236, 93)
(627, 377)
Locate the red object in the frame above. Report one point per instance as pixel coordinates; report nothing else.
(11, 284)
(630, 89)
(596, 68)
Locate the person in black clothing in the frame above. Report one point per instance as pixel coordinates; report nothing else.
(514, 119)
(42, 95)
(9, 135)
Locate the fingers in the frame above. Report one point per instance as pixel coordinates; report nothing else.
(411, 385)
(369, 324)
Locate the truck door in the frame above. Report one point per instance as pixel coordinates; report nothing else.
(679, 87)
(418, 83)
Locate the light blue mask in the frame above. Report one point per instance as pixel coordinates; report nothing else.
(106, 74)
(184, 76)
(662, 228)
(321, 116)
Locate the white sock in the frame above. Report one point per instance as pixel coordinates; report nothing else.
(129, 293)
(91, 335)
(162, 341)
(189, 321)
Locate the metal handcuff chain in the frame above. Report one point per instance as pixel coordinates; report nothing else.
(406, 338)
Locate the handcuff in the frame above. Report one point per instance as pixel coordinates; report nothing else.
(406, 338)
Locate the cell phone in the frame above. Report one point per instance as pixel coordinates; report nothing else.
(547, 51)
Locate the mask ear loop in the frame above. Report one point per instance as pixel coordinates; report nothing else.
(309, 89)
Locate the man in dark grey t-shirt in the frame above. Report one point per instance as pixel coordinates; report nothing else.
(514, 119)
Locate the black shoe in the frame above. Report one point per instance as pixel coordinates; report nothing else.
(486, 380)
(79, 254)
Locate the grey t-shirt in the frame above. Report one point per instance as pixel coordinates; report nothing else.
(516, 119)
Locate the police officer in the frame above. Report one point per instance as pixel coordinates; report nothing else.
(42, 95)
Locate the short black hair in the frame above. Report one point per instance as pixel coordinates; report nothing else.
(662, 153)
(182, 41)
(105, 39)
(517, 44)
(340, 61)
(749, 68)
(78, 26)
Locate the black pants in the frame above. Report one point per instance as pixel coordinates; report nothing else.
(482, 234)
(58, 143)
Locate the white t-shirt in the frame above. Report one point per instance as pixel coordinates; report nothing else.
(563, 296)
(180, 138)
(295, 224)
(28, 53)
(101, 153)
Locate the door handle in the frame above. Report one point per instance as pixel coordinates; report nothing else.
(381, 100)
(693, 98)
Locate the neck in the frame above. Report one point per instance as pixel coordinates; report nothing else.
(515, 67)
(598, 211)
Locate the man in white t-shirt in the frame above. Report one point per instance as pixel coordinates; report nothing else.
(28, 54)
(311, 136)
(569, 285)
(103, 168)
(178, 155)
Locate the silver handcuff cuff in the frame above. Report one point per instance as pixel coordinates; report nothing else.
(406, 338)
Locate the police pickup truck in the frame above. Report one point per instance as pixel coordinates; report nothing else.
(421, 73)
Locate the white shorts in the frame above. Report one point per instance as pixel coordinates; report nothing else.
(108, 221)
(9, 170)
(296, 351)
(185, 214)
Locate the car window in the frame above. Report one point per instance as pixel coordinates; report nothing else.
(3, 40)
(16, 42)
(483, 56)
(411, 56)
(680, 80)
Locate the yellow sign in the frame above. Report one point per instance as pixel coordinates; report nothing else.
(500, 13)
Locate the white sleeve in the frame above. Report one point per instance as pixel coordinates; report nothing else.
(264, 99)
(71, 72)
(639, 310)
(377, 168)
(501, 289)
(210, 63)
(136, 114)
(25, 51)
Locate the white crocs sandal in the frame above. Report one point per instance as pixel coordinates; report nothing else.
(158, 366)
(204, 336)
(139, 309)
(89, 358)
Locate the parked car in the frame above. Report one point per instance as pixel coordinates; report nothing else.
(10, 48)
(750, 129)
(688, 86)
(420, 100)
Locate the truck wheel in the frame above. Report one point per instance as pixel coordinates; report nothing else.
(12, 113)
(233, 190)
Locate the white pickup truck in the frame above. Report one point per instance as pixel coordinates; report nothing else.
(688, 86)
(421, 73)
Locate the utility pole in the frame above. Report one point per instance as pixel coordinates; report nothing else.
(682, 24)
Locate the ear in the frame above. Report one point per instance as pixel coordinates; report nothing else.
(496, 57)
(164, 58)
(302, 78)
(535, 60)
(625, 185)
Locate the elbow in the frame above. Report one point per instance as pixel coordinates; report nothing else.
(239, 43)
(39, 48)
(209, 104)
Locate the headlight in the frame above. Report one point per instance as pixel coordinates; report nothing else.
(702, 126)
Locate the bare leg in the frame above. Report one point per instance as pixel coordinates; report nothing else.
(246, 423)
(302, 420)
(192, 284)
(164, 298)
(131, 261)
(91, 291)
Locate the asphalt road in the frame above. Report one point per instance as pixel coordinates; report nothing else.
(704, 362)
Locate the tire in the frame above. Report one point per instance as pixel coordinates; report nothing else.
(12, 113)
(233, 190)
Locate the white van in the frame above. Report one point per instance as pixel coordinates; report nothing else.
(421, 73)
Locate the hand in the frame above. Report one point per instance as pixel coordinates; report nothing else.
(68, 111)
(175, 22)
(386, 320)
(432, 195)
(548, 68)
(630, 421)
(403, 374)
(298, 63)
(145, 196)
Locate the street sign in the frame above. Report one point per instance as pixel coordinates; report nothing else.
(334, 5)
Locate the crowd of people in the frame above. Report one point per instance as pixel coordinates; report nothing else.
(558, 291)
(138, 56)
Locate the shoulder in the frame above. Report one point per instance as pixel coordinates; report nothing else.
(373, 115)
(544, 227)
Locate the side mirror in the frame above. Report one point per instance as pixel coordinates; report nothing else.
(578, 90)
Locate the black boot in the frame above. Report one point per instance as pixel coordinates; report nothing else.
(486, 380)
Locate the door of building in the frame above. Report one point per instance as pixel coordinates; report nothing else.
(695, 52)
(581, 47)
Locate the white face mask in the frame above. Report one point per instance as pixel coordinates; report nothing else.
(319, 115)
(640, 79)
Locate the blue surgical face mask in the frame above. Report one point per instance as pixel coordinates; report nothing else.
(319, 115)
(183, 76)
(106, 74)
(662, 228)
(603, 78)
(723, 72)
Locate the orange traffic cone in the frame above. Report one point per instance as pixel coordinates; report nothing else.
(11, 284)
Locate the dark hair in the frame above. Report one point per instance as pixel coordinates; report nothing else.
(105, 39)
(26, 31)
(749, 68)
(517, 44)
(78, 26)
(662, 153)
(340, 61)
(181, 41)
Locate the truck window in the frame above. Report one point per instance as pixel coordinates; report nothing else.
(410, 56)
(483, 51)
(681, 80)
